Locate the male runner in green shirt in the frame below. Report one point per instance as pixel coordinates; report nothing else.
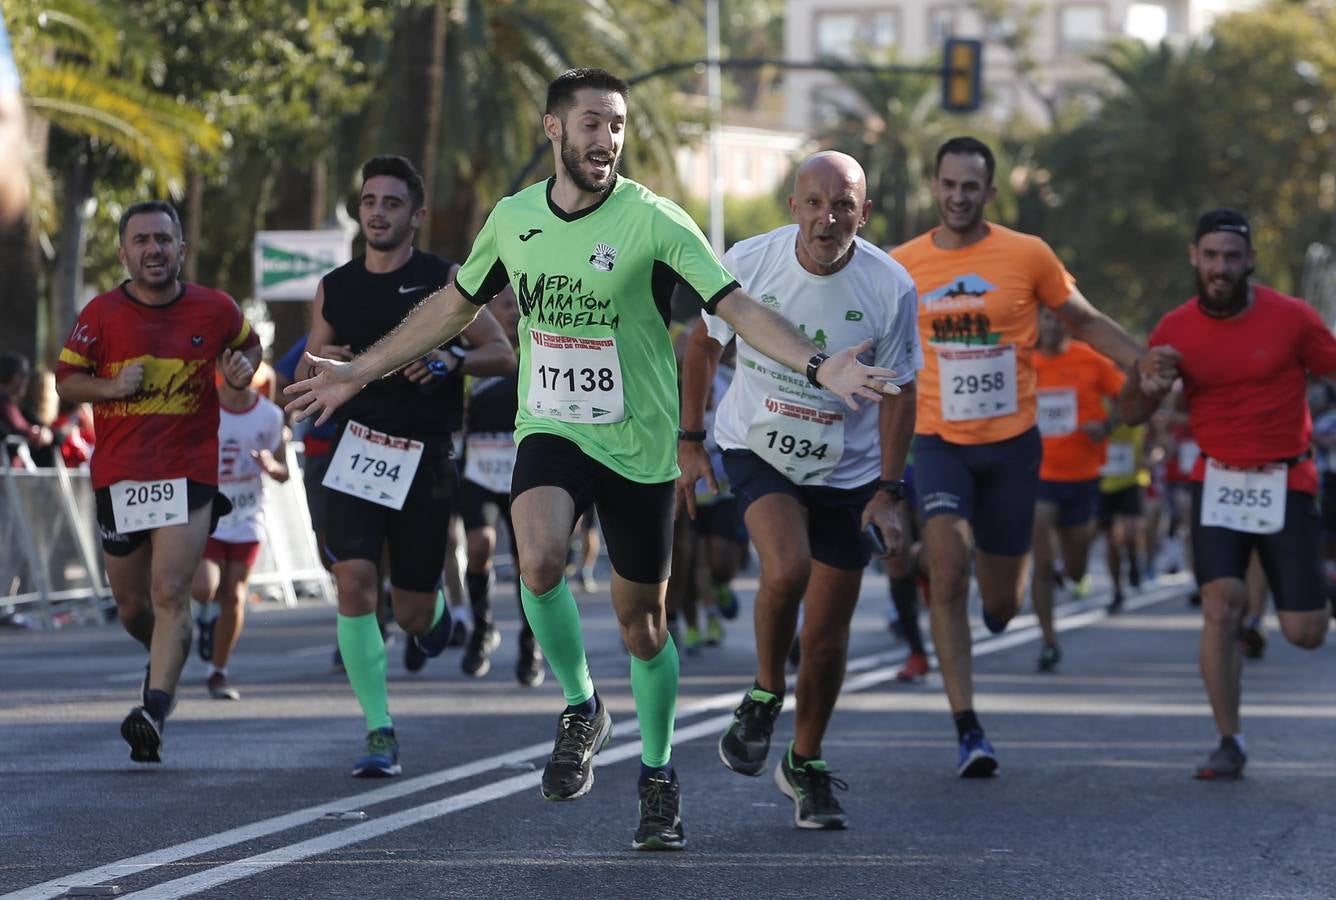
(593, 259)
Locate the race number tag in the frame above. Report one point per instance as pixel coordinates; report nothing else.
(1251, 500)
(1120, 460)
(374, 466)
(1057, 412)
(804, 443)
(144, 505)
(575, 379)
(246, 496)
(1188, 451)
(489, 460)
(977, 382)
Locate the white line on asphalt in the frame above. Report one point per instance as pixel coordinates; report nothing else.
(874, 669)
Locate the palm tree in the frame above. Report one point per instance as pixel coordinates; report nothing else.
(501, 55)
(92, 81)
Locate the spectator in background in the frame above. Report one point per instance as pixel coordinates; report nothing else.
(14, 376)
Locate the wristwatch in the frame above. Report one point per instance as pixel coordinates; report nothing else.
(694, 437)
(813, 364)
(895, 488)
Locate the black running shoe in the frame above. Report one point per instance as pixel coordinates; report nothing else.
(1225, 764)
(529, 666)
(414, 656)
(1252, 639)
(809, 787)
(660, 814)
(569, 772)
(459, 633)
(746, 743)
(477, 659)
(1116, 604)
(1049, 657)
(204, 644)
(144, 735)
(441, 635)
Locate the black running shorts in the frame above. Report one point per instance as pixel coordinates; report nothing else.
(116, 544)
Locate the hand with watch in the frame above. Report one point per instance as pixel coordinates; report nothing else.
(435, 366)
(883, 517)
(694, 462)
(843, 375)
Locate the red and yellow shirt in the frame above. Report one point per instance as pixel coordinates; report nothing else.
(986, 295)
(169, 427)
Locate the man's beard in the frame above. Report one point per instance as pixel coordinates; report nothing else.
(571, 159)
(170, 273)
(1233, 302)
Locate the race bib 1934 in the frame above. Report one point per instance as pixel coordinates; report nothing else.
(143, 505)
(374, 466)
(977, 382)
(1251, 500)
(575, 379)
(804, 443)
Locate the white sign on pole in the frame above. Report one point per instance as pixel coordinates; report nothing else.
(290, 264)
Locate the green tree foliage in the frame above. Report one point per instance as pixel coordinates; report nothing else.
(1241, 119)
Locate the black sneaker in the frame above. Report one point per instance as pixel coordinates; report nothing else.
(809, 787)
(746, 743)
(442, 634)
(477, 659)
(529, 666)
(569, 772)
(1252, 639)
(144, 735)
(1049, 657)
(459, 633)
(414, 656)
(660, 814)
(204, 643)
(1116, 604)
(1225, 764)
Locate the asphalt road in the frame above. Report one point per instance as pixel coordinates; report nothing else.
(253, 800)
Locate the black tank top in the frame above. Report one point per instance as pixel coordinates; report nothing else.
(362, 307)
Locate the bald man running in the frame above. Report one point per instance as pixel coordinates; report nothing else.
(811, 474)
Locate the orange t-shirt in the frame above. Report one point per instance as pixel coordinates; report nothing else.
(978, 322)
(1072, 388)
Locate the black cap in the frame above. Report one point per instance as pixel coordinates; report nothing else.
(1224, 219)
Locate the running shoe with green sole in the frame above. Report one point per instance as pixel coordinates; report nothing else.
(382, 756)
(809, 787)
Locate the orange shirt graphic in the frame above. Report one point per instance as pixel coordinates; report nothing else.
(1072, 388)
(978, 322)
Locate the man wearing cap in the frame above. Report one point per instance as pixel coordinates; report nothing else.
(1245, 352)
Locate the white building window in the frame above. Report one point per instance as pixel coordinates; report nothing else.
(1081, 27)
(941, 24)
(847, 35)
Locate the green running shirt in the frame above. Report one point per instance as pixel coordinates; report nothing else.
(596, 359)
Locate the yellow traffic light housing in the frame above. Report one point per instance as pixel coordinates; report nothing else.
(962, 82)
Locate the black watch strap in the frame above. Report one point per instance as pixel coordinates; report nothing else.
(813, 364)
(895, 488)
(695, 437)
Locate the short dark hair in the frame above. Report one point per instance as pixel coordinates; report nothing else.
(401, 168)
(561, 92)
(12, 364)
(149, 206)
(967, 146)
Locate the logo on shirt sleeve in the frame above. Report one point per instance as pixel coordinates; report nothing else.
(603, 257)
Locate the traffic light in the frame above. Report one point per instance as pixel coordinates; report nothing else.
(962, 84)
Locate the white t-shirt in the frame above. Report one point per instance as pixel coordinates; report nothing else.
(240, 476)
(808, 433)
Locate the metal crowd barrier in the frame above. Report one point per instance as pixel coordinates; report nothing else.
(51, 560)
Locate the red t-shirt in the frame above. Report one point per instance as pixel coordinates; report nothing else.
(169, 427)
(1245, 380)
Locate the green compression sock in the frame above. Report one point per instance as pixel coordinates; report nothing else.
(555, 620)
(654, 684)
(363, 651)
